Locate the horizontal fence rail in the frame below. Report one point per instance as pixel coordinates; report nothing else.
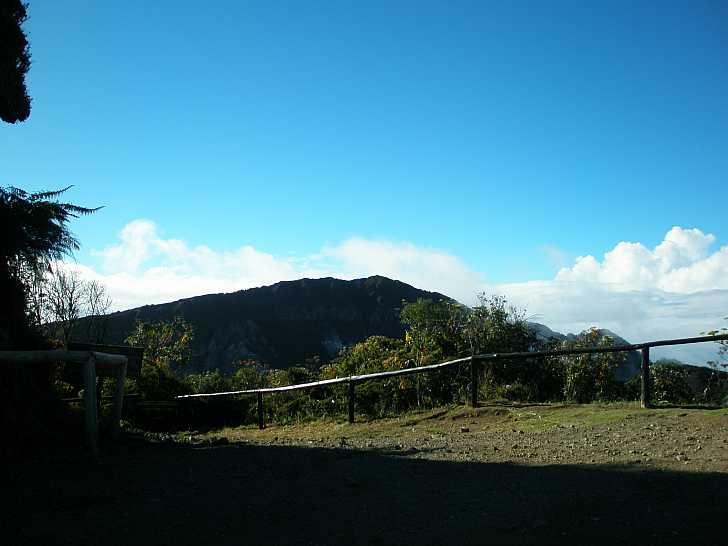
(475, 362)
(613, 349)
(59, 355)
(336, 380)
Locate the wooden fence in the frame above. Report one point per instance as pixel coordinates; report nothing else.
(92, 362)
(475, 362)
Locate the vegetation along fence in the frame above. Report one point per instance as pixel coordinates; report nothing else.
(475, 362)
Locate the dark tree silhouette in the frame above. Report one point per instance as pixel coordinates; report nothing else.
(14, 62)
(35, 232)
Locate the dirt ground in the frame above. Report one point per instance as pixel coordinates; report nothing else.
(500, 474)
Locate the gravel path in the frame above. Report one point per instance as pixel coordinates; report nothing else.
(497, 475)
(679, 439)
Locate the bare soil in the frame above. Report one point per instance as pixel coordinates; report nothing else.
(500, 474)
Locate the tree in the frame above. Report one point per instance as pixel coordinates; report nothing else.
(98, 304)
(374, 354)
(35, 232)
(64, 302)
(167, 346)
(494, 326)
(717, 387)
(14, 62)
(722, 348)
(427, 336)
(670, 382)
(589, 377)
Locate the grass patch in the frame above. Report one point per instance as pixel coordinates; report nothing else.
(591, 415)
(493, 417)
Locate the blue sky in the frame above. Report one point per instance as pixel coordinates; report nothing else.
(510, 137)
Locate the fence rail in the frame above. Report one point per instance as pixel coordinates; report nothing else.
(475, 361)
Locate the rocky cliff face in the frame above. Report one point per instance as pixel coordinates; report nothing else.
(283, 324)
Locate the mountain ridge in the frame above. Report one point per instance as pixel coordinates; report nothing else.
(281, 324)
(289, 322)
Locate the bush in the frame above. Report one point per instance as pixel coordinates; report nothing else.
(632, 388)
(248, 378)
(207, 382)
(670, 384)
(160, 383)
(518, 392)
(589, 377)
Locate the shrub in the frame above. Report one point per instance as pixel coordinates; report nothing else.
(207, 382)
(160, 383)
(589, 377)
(248, 378)
(632, 388)
(520, 392)
(670, 384)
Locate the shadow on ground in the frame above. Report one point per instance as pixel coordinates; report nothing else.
(240, 494)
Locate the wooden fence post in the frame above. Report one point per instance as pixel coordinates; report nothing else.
(474, 367)
(261, 423)
(92, 425)
(118, 401)
(645, 394)
(351, 401)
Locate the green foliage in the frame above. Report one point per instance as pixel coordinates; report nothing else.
(433, 329)
(108, 386)
(297, 375)
(670, 383)
(250, 375)
(160, 383)
(519, 392)
(207, 382)
(589, 377)
(716, 391)
(438, 330)
(631, 389)
(64, 389)
(374, 354)
(167, 347)
(396, 394)
(443, 328)
(167, 344)
(494, 326)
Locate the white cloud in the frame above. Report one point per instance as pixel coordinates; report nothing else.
(421, 267)
(679, 264)
(636, 315)
(143, 267)
(676, 289)
(556, 257)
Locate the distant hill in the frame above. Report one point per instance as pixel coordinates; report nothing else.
(289, 322)
(283, 324)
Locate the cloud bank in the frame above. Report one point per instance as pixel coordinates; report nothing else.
(678, 288)
(680, 264)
